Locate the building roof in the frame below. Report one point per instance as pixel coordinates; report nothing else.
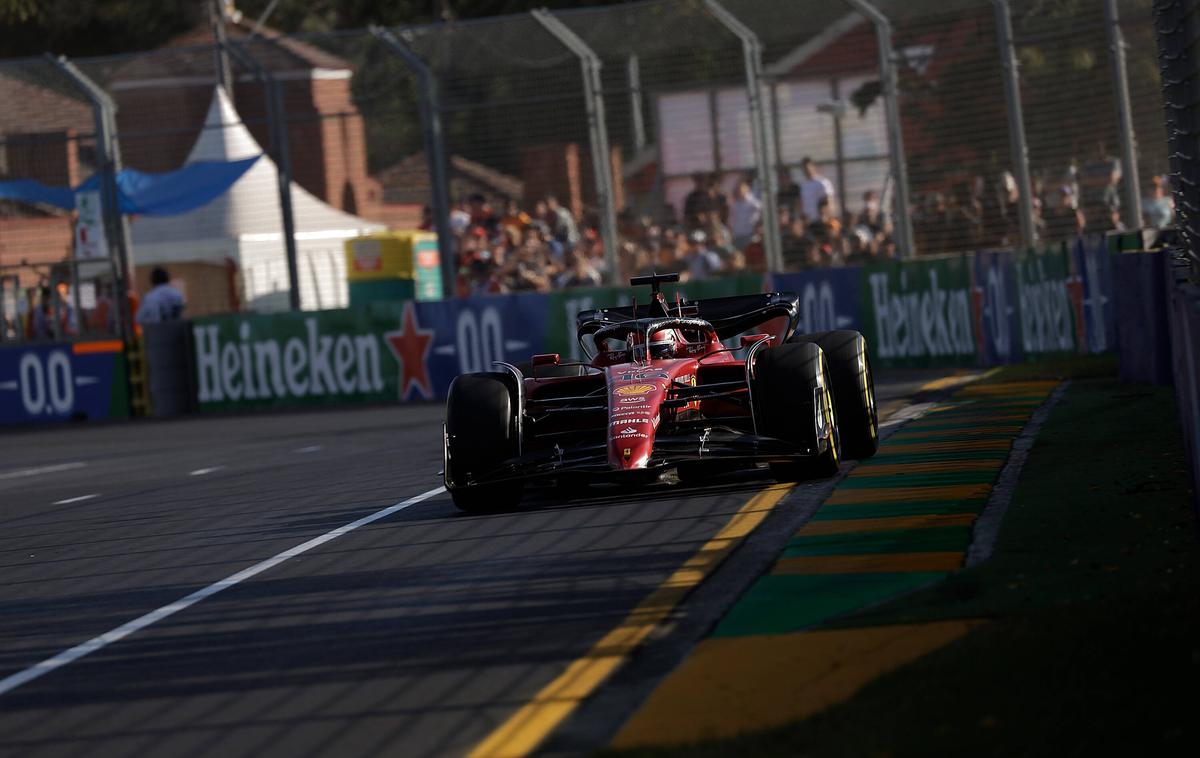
(189, 58)
(38, 104)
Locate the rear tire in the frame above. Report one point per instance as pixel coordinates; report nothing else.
(785, 378)
(481, 426)
(853, 389)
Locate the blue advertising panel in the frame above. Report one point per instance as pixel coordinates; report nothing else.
(1094, 265)
(469, 335)
(62, 382)
(828, 297)
(994, 289)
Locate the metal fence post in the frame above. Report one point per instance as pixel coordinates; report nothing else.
(762, 126)
(1016, 122)
(633, 76)
(891, 99)
(1129, 169)
(435, 154)
(593, 93)
(277, 128)
(108, 156)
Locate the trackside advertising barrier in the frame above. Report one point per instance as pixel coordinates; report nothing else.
(919, 313)
(986, 308)
(1184, 304)
(63, 382)
(401, 351)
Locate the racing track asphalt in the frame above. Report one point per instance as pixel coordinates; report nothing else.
(415, 635)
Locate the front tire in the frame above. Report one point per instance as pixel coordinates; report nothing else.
(481, 428)
(853, 389)
(787, 379)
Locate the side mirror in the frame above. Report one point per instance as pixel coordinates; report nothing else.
(545, 359)
(750, 339)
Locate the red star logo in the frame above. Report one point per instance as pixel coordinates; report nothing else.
(411, 346)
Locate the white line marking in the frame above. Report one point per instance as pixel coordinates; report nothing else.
(907, 413)
(10, 683)
(203, 471)
(79, 499)
(310, 449)
(21, 472)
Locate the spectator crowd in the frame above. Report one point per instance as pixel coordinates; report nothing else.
(504, 247)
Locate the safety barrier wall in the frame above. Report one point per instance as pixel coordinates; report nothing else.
(987, 308)
(1184, 321)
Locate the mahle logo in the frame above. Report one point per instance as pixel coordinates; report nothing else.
(317, 365)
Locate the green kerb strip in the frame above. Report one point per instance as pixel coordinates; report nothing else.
(866, 481)
(780, 604)
(887, 510)
(932, 540)
(940, 456)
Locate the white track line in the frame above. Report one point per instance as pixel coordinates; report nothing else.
(71, 655)
(203, 471)
(22, 472)
(309, 449)
(78, 499)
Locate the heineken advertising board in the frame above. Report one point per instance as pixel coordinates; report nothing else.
(918, 313)
(381, 352)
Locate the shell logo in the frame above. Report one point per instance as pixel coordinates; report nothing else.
(634, 389)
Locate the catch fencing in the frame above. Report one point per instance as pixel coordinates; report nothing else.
(1176, 24)
(940, 125)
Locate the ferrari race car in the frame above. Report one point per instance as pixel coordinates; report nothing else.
(663, 390)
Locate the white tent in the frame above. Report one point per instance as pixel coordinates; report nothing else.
(245, 225)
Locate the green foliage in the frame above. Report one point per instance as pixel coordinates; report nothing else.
(16, 11)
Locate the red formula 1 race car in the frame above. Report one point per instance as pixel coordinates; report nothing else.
(661, 392)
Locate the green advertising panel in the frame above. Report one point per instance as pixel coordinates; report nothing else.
(287, 359)
(1049, 293)
(918, 313)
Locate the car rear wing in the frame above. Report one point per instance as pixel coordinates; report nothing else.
(729, 316)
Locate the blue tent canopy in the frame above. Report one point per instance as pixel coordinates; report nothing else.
(169, 194)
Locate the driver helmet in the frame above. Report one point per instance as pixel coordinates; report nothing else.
(663, 343)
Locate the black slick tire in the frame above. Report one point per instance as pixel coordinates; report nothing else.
(482, 433)
(853, 389)
(785, 380)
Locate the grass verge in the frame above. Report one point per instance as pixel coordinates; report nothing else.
(1092, 599)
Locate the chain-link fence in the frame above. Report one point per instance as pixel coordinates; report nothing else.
(554, 150)
(48, 142)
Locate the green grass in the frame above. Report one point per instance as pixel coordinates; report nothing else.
(1093, 602)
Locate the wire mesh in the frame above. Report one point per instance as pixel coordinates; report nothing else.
(678, 122)
(1175, 22)
(47, 135)
(521, 155)
(822, 65)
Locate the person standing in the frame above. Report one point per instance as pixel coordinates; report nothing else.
(744, 215)
(813, 190)
(702, 261)
(162, 303)
(698, 204)
(1158, 208)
